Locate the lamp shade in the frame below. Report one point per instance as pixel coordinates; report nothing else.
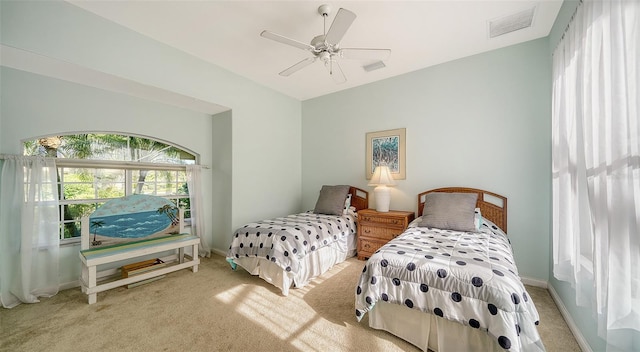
(382, 176)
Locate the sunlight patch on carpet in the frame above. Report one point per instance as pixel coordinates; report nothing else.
(258, 305)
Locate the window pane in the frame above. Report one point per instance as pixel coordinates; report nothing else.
(110, 183)
(147, 189)
(143, 181)
(77, 211)
(185, 204)
(166, 183)
(181, 176)
(158, 182)
(92, 183)
(72, 215)
(71, 229)
(183, 189)
(78, 183)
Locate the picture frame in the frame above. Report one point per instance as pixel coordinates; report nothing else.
(386, 147)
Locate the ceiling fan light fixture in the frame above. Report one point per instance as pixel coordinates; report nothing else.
(324, 56)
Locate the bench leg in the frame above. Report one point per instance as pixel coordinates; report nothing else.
(91, 283)
(84, 278)
(195, 258)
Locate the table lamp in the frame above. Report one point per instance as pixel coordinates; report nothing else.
(381, 179)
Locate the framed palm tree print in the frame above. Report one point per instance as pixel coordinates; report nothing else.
(386, 148)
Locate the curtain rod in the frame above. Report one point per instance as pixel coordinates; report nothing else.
(566, 29)
(115, 164)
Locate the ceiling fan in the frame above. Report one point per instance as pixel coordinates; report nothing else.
(326, 47)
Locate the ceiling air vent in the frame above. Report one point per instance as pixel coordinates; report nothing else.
(511, 23)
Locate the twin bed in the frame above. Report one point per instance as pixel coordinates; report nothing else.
(292, 250)
(447, 283)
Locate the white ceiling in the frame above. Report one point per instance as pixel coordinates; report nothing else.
(419, 34)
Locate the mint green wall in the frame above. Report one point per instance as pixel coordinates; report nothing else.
(62, 31)
(481, 121)
(222, 175)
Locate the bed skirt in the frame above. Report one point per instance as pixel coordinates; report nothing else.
(313, 265)
(429, 332)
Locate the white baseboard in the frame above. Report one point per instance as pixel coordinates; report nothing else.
(68, 285)
(219, 252)
(534, 282)
(582, 342)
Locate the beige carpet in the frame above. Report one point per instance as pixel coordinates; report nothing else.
(218, 309)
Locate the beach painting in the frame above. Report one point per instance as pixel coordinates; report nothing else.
(133, 218)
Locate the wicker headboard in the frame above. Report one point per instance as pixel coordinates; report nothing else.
(493, 208)
(359, 198)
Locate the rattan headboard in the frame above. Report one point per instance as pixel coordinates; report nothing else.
(492, 206)
(359, 198)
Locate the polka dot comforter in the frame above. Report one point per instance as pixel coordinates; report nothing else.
(466, 277)
(285, 241)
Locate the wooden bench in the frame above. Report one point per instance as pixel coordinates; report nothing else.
(93, 280)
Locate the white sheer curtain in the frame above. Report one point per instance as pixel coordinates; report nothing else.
(194, 183)
(596, 165)
(29, 232)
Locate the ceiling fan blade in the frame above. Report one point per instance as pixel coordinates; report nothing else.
(335, 71)
(365, 54)
(343, 20)
(285, 40)
(300, 65)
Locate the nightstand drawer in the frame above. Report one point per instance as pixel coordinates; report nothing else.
(368, 246)
(380, 232)
(385, 221)
(377, 228)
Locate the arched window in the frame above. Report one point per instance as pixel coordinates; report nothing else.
(96, 167)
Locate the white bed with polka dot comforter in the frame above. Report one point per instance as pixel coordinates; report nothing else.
(465, 277)
(294, 249)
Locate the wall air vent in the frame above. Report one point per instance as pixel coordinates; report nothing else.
(374, 66)
(511, 23)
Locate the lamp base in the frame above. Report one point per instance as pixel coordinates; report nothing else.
(383, 198)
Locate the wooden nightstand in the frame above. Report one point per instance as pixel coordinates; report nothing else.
(375, 229)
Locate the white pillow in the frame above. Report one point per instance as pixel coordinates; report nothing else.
(347, 204)
(477, 220)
